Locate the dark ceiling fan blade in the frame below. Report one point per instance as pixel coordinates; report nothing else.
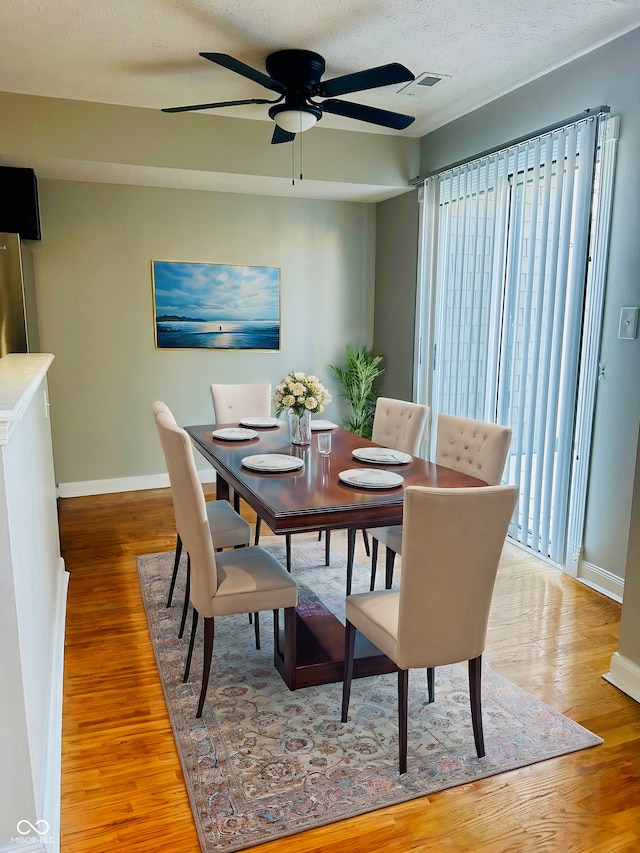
(246, 70)
(280, 135)
(372, 78)
(373, 115)
(220, 104)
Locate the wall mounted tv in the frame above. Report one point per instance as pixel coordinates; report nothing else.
(19, 211)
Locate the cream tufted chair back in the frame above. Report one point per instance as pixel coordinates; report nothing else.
(160, 408)
(399, 425)
(190, 511)
(477, 448)
(246, 400)
(243, 580)
(452, 540)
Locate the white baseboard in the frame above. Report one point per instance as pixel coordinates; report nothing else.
(123, 484)
(625, 675)
(602, 581)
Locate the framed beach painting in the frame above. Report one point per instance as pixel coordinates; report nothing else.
(216, 306)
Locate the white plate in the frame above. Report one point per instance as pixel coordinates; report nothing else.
(273, 462)
(234, 434)
(381, 455)
(369, 478)
(316, 425)
(260, 423)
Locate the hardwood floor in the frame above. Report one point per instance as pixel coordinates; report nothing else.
(122, 786)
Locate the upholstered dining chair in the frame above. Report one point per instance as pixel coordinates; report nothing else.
(229, 528)
(452, 540)
(242, 400)
(243, 580)
(398, 425)
(231, 403)
(473, 447)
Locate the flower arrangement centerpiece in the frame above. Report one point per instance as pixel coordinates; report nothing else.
(301, 395)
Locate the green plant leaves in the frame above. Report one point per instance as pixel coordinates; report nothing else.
(357, 379)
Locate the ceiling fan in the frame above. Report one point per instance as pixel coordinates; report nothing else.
(295, 75)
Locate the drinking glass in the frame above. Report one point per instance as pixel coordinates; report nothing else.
(324, 443)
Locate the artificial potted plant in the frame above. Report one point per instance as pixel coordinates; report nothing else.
(357, 378)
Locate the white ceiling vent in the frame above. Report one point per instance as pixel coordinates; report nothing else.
(423, 82)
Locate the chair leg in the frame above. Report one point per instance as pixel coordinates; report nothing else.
(276, 631)
(365, 539)
(257, 536)
(390, 558)
(187, 593)
(431, 683)
(194, 625)
(208, 654)
(349, 649)
(403, 690)
(288, 547)
(256, 625)
(475, 694)
(374, 563)
(176, 563)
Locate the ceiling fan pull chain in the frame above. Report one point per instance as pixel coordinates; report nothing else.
(301, 143)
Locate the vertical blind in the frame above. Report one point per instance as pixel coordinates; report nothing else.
(509, 236)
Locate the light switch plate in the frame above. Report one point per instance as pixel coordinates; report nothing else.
(628, 323)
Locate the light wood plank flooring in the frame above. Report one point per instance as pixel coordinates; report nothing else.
(122, 786)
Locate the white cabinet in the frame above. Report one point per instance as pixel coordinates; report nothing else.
(33, 586)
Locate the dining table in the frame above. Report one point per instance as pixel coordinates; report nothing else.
(338, 491)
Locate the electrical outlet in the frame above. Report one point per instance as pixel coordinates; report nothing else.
(628, 327)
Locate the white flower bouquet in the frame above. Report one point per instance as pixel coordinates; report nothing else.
(300, 393)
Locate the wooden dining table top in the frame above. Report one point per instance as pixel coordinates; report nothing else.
(313, 497)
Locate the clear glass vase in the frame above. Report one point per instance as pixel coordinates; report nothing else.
(300, 427)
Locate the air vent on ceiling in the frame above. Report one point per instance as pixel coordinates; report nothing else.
(423, 82)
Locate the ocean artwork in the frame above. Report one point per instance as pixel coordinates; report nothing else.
(216, 306)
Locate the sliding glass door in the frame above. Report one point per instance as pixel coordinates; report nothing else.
(506, 241)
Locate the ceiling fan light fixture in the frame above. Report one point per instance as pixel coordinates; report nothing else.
(296, 77)
(295, 120)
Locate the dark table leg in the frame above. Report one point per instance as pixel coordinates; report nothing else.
(351, 547)
(222, 488)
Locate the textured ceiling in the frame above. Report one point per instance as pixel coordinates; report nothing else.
(145, 52)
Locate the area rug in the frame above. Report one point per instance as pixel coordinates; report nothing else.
(264, 762)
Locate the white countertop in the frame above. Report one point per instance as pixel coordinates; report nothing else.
(20, 376)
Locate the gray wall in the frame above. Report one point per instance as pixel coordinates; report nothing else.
(129, 145)
(610, 76)
(396, 264)
(93, 266)
(93, 273)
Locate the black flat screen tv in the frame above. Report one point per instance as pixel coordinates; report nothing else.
(19, 211)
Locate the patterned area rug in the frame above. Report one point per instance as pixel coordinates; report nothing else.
(264, 762)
